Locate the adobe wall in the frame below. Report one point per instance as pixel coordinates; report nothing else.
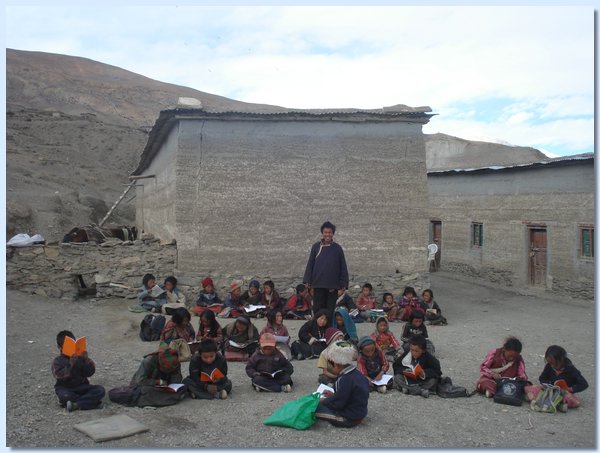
(563, 199)
(251, 195)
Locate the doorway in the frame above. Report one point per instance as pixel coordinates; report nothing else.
(436, 238)
(537, 256)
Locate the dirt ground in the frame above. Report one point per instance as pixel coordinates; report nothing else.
(480, 316)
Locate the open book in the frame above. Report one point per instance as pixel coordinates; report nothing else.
(235, 344)
(74, 347)
(271, 375)
(433, 311)
(324, 388)
(171, 387)
(384, 379)
(413, 372)
(562, 384)
(214, 376)
(250, 308)
(354, 312)
(156, 291)
(377, 310)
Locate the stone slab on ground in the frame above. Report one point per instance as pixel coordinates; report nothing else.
(111, 428)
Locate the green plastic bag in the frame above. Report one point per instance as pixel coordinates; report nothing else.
(297, 414)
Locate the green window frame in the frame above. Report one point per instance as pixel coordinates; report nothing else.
(586, 234)
(477, 234)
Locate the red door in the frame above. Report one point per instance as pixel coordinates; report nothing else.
(436, 233)
(537, 256)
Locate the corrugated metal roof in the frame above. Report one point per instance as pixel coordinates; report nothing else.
(168, 118)
(550, 161)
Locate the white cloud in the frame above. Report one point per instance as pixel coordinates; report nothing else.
(450, 58)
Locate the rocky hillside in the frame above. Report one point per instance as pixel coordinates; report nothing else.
(445, 152)
(76, 128)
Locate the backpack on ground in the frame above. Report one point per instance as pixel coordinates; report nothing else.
(445, 389)
(126, 395)
(510, 391)
(151, 327)
(548, 400)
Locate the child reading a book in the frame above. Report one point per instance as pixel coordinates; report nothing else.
(433, 312)
(253, 296)
(150, 295)
(390, 308)
(179, 326)
(241, 339)
(282, 337)
(344, 300)
(366, 302)
(417, 371)
(208, 373)
(504, 362)
(174, 298)
(373, 364)
(560, 371)
(269, 370)
(159, 368)
(210, 329)
(408, 303)
(348, 405)
(233, 305)
(415, 326)
(72, 368)
(311, 337)
(208, 298)
(327, 377)
(385, 339)
(270, 298)
(343, 322)
(298, 306)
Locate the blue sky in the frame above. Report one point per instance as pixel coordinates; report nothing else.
(511, 74)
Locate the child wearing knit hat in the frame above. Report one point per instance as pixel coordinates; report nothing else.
(347, 407)
(208, 299)
(269, 370)
(331, 335)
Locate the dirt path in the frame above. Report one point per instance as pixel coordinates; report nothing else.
(480, 317)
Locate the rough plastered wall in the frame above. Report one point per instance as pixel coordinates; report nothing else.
(251, 195)
(506, 202)
(155, 207)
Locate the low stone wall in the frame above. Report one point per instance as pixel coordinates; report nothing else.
(55, 271)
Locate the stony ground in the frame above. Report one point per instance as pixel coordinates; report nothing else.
(480, 317)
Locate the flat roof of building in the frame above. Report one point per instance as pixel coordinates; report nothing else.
(169, 117)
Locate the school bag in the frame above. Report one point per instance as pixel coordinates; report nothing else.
(548, 400)
(126, 394)
(445, 389)
(510, 391)
(151, 327)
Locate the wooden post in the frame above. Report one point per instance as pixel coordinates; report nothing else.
(110, 211)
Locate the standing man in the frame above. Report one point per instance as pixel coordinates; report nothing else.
(326, 270)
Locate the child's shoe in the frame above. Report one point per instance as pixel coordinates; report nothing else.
(286, 388)
(382, 389)
(223, 394)
(72, 406)
(488, 394)
(257, 388)
(562, 407)
(425, 393)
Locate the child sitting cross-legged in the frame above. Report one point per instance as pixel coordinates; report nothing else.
(72, 371)
(331, 336)
(385, 339)
(417, 371)
(559, 370)
(179, 326)
(372, 364)
(504, 362)
(209, 328)
(269, 370)
(208, 373)
(416, 326)
(348, 406)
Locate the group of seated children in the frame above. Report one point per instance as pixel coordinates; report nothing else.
(507, 362)
(159, 298)
(414, 371)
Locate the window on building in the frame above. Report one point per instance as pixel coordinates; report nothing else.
(587, 241)
(477, 234)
